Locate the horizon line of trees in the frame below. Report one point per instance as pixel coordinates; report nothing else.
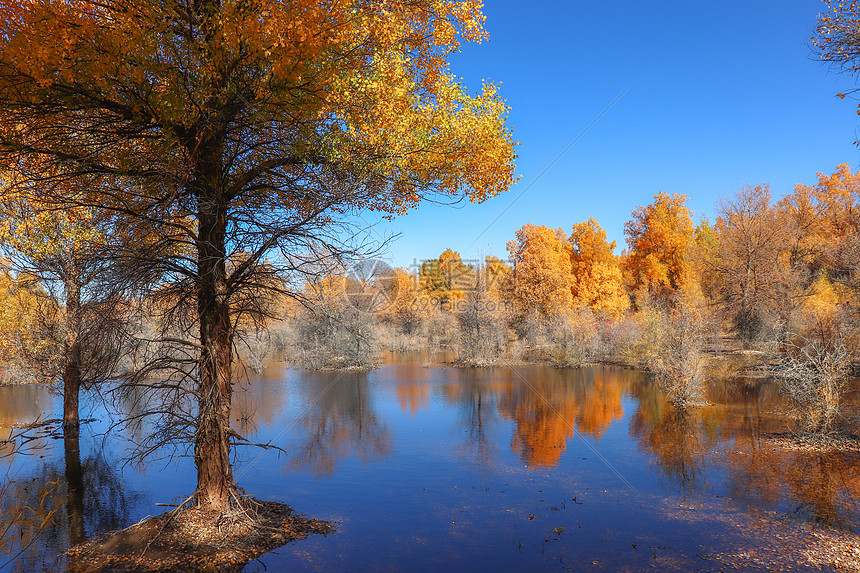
(761, 263)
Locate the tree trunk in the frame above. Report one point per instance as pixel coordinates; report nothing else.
(72, 355)
(212, 440)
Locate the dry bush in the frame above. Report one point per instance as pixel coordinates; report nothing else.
(815, 367)
(401, 329)
(573, 340)
(635, 340)
(483, 336)
(394, 338)
(529, 330)
(678, 360)
(342, 338)
(620, 339)
(440, 329)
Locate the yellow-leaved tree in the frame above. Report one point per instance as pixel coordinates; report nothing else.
(542, 280)
(59, 258)
(597, 279)
(660, 236)
(446, 279)
(245, 133)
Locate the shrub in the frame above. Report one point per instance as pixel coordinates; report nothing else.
(815, 367)
(678, 361)
(483, 331)
(573, 339)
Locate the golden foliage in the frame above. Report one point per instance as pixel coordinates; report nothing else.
(824, 222)
(27, 315)
(366, 85)
(660, 236)
(598, 281)
(446, 279)
(542, 275)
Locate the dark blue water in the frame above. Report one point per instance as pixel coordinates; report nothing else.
(438, 468)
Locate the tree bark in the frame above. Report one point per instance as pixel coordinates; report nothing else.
(215, 484)
(72, 354)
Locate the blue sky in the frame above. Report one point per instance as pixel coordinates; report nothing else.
(723, 94)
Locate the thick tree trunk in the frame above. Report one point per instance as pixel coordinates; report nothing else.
(72, 355)
(212, 441)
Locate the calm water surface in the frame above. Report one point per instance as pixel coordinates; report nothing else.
(438, 468)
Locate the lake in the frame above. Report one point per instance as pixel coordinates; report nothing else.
(427, 468)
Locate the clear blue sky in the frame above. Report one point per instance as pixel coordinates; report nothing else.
(723, 94)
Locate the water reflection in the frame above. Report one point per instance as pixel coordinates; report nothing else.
(24, 404)
(674, 437)
(509, 434)
(549, 405)
(259, 401)
(341, 421)
(821, 487)
(476, 395)
(75, 490)
(20, 406)
(86, 497)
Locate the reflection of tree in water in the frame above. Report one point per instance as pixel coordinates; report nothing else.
(823, 487)
(413, 397)
(89, 498)
(341, 422)
(476, 393)
(548, 404)
(678, 438)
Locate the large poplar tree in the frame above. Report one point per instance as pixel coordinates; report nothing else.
(244, 134)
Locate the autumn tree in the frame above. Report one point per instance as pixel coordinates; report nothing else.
(660, 236)
(245, 130)
(837, 204)
(542, 278)
(837, 38)
(27, 318)
(823, 223)
(400, 293)
(706, 242)
(62, 253)
(495, 276)
(756, 283)
(597, 279)
(446, 278)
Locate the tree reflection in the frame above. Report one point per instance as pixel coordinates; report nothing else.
(599, 392)
(822, 487)
(258, 399)
(413, 387)
(75, 490)
(476, 393)
(677, 437)
(549, 405)
(88, 497)
(341, 422)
